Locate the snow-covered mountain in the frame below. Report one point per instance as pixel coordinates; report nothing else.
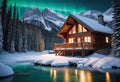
(91, 14)
(108, 15)
(48, 19)
(94, 14)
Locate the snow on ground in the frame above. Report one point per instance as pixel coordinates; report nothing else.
(95, 60)
(7, 58)
(99, 61)
(56, 60)
(5, 70)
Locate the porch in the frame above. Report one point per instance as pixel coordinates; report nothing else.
(64, 48)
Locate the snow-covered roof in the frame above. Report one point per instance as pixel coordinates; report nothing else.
(92, 24)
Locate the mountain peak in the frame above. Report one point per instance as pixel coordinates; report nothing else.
(91, 14)
(48, 10)
(48, 19)
(109, 11)
(30, 12)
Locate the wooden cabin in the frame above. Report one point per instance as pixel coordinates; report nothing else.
(82, 35)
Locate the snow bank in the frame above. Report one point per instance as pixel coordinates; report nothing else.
(99, 61)
(107, 62)
(53, 60)
(5, 70)
(46, 62)
(57, 63)
(95, 60)
(89, 61)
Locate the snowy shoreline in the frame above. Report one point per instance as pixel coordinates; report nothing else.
(93, 62)
(5, 71)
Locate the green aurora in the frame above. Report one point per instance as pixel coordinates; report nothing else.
(63, 6)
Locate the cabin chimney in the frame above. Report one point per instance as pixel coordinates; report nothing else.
(101, 19)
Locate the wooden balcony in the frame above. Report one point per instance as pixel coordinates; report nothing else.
(73, 47)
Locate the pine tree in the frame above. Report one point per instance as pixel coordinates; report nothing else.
(17, 33)
(1, 39)
(4, 11)
(116, 29)
(12, 44)
(24, 34)
(9, 21)
(4, 18)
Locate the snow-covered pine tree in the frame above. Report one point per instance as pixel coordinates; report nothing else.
(20, 40)
(116, 29)
(13, 35)
(4, 23)
(24, 34)
(4, 11)
(8, 21)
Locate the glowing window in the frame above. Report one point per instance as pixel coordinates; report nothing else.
(87, 39)
(79, 40)
(73, 30)
(71, 40)
(107, 39)
(81, 28)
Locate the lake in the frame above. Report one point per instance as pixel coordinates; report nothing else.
(27, 72)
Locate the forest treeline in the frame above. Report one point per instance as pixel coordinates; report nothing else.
(19, 36)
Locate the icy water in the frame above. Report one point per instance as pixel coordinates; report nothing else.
(26, 72)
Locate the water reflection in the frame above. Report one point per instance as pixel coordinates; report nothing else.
(76, 73)
(53, 74)
(107, 74)
(9, 79)
(82, 76)
(79, 75)
(66, 75)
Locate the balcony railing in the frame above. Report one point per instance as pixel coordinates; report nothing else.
(73, 46)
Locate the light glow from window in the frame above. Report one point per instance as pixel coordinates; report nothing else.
(87, 39)
(107, 39)
(71, 40)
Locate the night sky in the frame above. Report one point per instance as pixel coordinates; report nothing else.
(63, 6)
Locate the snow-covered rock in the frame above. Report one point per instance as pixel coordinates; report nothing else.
(48, 19)
(107, 62)
(5, 70)
(57, 63)
(91, 62)
(46, 62)
(83, 61)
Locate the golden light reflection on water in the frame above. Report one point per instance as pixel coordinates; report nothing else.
(88, 76)
(76, 73)
(53, 74)
(107, 74)
(66, 75)
(80, 75)
(85, 76)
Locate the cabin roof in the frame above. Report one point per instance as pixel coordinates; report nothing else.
(90, 24)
